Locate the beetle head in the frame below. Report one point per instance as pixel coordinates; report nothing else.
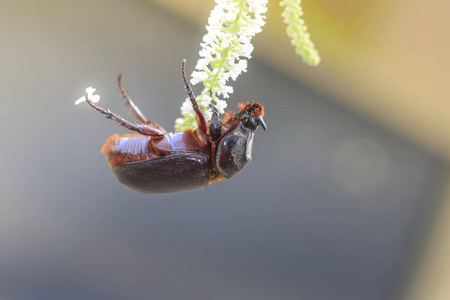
(251, 115)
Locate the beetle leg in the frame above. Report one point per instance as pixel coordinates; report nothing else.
(142, 129)
(215, 128)
(134, 109)
(200, 117)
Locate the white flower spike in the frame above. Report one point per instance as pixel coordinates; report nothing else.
(90, 94)
(225, 49)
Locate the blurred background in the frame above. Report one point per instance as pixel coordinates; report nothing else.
(347, 196)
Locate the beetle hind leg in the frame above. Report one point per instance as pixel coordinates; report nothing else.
(134, 109)
(142, 129)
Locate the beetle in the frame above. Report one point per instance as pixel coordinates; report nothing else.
(155, 161)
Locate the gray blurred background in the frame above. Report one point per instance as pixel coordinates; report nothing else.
(332, 206)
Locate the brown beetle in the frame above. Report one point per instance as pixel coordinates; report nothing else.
(156, 161)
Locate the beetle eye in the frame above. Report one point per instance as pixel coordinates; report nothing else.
(249, 122)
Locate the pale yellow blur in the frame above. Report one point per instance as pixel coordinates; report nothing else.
(431, 279)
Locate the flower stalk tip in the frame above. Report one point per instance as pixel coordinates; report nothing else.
(297, 31)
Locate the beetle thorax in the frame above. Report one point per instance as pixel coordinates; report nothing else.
(234, 151)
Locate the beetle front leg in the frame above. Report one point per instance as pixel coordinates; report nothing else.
(134, 109)
(215, 128)
(200, 117)
(142, 129)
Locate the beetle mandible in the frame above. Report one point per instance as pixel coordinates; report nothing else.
(155, 161)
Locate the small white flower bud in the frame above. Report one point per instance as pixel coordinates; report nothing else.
(90, 94)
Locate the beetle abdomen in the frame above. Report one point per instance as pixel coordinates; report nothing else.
(127, 148)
